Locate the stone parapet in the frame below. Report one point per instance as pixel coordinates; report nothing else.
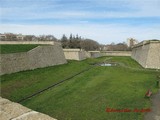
(116, 53)
(30, 42)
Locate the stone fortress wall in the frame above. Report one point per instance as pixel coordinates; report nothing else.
(116, 53)
(147, 54)
(94, 54)
(39, 57)
(49, 54)
(29, 42)
(74, 54)
(78, 54)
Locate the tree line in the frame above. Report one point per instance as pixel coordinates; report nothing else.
(115, 47)
(78, 42)
(73, 41)
(87, 44)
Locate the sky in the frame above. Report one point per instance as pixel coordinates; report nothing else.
(105, 21)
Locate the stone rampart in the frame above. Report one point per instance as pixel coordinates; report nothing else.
(147, 54)
(95, 54)
(116, 53)
(78, 54)
(30, 42)
(39, 57)
(87, 54)
(74, 54)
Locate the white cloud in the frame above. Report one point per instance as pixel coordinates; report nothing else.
(82, 14)
(132, 8)
(79, 14)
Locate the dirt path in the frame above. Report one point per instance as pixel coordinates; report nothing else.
(155, 113)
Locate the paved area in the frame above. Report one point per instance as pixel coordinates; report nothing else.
(155, 113)
(14, 111)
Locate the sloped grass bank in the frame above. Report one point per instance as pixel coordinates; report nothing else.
(87, 95)
(19, 85)
(5, 49)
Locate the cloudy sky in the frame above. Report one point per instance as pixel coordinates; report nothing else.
(105, 21)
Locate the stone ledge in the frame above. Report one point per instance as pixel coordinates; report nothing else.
(14, 111)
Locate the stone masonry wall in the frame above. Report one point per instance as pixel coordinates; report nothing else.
(153, 60)
(39, 57)
(29, 42)
(74, 54)
(14, 62)
(87, 54)
(140, 54)
(77, 54)
(95, 54)
(82, 55)
(147, 54)
(116, 53)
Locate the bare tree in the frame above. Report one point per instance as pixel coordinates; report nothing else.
(64, 41)
(117, 47)
(10, 37)
(30, 38)
(89, 45)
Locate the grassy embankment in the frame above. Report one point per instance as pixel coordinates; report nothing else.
(4, 49)
(87, 95)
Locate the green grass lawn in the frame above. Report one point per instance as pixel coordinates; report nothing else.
(86, 96)
(16, 48)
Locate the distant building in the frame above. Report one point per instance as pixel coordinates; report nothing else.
(20, 37)
(2, 36)
(131, 42)
(11, 37)
(103, 47)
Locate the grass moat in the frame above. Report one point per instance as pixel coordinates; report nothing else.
(88, 95)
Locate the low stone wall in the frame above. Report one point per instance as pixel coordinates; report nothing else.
(116, 53)
(30, 42)
(87, 54)
(39, 57)
(77, 54)
(95, 54)
(147, 54)
(74, 54)
(15, 111)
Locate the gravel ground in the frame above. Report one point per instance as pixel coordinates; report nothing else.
(155, 109)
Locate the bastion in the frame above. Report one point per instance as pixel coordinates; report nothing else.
(38, 57)
(74, 54)
(147, 54)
